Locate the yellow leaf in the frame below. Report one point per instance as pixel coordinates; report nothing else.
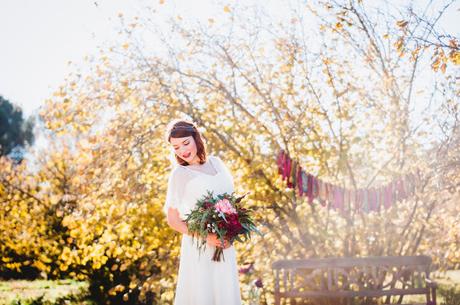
(455, 57)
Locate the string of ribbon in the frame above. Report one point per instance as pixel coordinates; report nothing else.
(365, 200)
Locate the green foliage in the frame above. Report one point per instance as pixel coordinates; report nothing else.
(451, 295)
(14, 131)
(206, 218)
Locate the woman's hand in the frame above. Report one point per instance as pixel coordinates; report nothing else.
(213, 239)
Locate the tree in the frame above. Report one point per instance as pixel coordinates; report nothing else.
(339, 98)
(14, 131)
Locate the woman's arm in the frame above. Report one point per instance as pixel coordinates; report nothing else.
(176, 223)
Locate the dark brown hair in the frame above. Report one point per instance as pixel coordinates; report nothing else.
(183, 128)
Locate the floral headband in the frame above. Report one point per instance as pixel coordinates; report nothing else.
(190, 128)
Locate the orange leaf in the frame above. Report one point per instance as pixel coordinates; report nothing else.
(402, 23)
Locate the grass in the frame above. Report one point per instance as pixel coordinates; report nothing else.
(23, 292)
(42, 292)
(448, 288)
(449, 278)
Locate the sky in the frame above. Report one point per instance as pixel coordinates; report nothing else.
(40, 38)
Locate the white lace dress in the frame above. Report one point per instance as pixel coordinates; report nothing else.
(200, 280)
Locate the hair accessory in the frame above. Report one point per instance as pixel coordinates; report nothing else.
(180, 127)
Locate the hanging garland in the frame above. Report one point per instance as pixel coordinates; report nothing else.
(337, 198)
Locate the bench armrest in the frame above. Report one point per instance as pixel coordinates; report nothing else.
(431, 283)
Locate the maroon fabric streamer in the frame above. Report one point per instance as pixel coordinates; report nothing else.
(288, 173)
(310, 188)
(299, 180)
(366, 200)
(338, 198)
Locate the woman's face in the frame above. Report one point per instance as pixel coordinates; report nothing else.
(185, 148)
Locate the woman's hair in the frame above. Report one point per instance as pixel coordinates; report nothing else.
(182, 128)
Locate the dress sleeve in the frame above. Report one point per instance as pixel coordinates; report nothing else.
(175, 191)
(223, 167)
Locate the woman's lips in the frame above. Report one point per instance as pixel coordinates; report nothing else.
(186, 155)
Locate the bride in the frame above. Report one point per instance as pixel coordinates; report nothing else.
(200, 281)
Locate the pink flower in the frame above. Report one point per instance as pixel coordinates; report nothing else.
(247, 269)
(225, 206)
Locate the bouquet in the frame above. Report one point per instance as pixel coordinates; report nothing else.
(222, 215)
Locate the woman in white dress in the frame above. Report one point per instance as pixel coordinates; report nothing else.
(200, 281)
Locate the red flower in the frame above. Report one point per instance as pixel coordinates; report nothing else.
(234, 226)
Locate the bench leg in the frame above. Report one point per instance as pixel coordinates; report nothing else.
(433, 295)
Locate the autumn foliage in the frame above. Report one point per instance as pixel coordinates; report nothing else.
(339, 94)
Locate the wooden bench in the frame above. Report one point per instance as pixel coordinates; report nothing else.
(340, 280)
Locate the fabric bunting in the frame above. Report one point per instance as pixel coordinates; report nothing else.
(341, 199)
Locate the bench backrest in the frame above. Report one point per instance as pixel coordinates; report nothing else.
(351, 277)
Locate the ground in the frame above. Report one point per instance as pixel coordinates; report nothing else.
(25, 292)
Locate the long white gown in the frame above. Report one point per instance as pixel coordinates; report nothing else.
(200, 280)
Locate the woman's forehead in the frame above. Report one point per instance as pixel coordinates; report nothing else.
(179, 140)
